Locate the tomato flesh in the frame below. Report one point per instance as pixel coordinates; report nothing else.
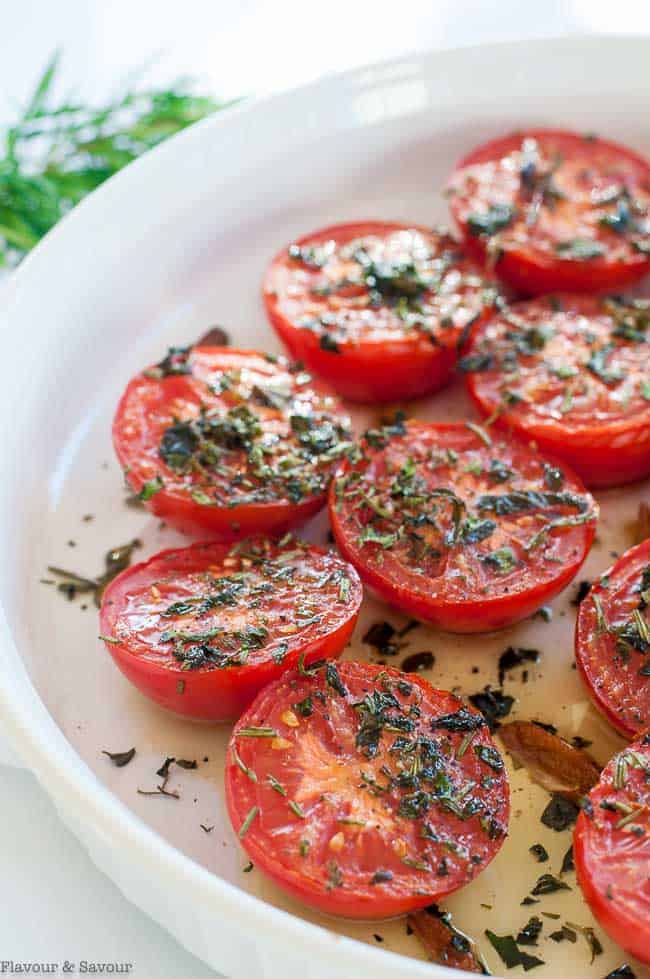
(201, 629)
(556, 210)
(229, 441)
(612, 642)
(612, 849)
(466, 535)
(364, 791)
(377, 309)
(573, 373)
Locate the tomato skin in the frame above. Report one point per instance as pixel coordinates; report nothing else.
(532, 270)
(321, 753)
(606, 444)
(611, 865)
(148, 407)
(613, 681)
(470, 613)
(209, 694)
(371, 369)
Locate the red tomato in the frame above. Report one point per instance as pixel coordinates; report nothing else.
(573, 373)
(377, 309)
(611, 846)
(228, 441)
(613, 642)
(202, 629)
(365, 792)
(556, 210)
(467, 535)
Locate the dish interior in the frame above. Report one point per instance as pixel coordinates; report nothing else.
(388, 162)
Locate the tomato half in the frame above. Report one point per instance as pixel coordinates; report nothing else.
(573, 373)
(365, 792)
(375, 308)
(229, 441)
(457, 528)
(611, 845)
(612, 642)
(201, 629)
(556, 210)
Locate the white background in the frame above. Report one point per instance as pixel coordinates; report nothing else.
(55, 904)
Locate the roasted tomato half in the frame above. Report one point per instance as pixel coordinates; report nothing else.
(613, 642)
(229, 441)
(573, 373)
(201, 629)
(611, 846)
(556, 210)
(458, 528)
(363, 791)
(377, 309)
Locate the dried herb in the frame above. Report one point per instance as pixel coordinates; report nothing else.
(581, 593)
(494, 705)
(623, 972)
(530, 932)
(381, 635)
(539, 852)
(460, 720)
(560, 813)
(567, 862)
(548, 884)
(488, 223)
(513, 657)
(117, 559)
(120, 758)
(510, 954)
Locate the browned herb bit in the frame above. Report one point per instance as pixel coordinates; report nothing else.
(215, 336)
(493, 705)
(443, 942)
(120, 758)
(513, 657)
(560, 813)
(539, 852)
(548, 884)
(550, 760)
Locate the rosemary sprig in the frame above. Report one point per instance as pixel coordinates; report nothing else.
(57, 152)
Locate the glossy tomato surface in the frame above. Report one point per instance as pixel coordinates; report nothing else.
(201, 629)
(613, 642)
(365, 792)
(377, 309)
(571, 372)
(612, 849)
(228, 441)
(468, 531)
(556, 210)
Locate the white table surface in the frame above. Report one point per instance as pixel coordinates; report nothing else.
(55, 905)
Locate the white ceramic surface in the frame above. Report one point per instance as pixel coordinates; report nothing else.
(175, 243)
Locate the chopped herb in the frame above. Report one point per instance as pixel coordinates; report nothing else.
(248, 821)
(490, 756)
(493, 705)
(548, 884)
(509, 953)
(460, 720)
(503, 560)
(539, 852)
(150, 489)
(580, 249)
(120, 758)
(560, 813)
(490, 222)
(417, 662)
(530, 932)
(513, 657)
(334, 680)
(581, 593)
(567, 862)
